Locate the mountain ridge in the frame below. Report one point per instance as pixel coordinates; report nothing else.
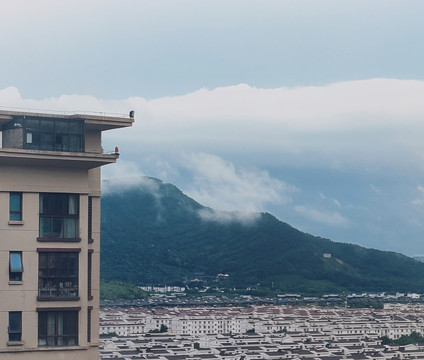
(154, 234)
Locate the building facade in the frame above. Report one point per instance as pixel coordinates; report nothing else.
(50, 233)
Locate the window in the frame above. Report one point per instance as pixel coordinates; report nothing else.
(15, 266)
(15, 206)
(57, 275)
(15, 326)
(89, 309)
(90, 219)
(89, 274)
(57, 328)
(59, 214)
(53, 134)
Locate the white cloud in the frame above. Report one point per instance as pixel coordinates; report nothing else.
(354, 123)
(246, 217)
(219, 184)
(322, 216)
(124, 175)
(318, 108)
(368, 131)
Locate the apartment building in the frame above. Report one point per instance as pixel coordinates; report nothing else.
(50, 233)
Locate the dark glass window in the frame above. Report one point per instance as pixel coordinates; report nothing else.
(89, 274)
(15, 206)
(59, 214)
(15, 266)
(89, 324)
(90, 219)
(57, 274)
(53, 134)
(32, 125)
(15, 326)
(57, 328)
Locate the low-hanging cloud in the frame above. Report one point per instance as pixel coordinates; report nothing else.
(219, 184)
(225, 217)
(125, 175)
(218, 143)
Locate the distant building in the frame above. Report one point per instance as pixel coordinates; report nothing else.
(50, 233)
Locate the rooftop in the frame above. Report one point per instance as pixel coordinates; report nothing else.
(100, 120)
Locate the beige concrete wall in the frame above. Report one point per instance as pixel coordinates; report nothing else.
(22, 236)
(31, 179)
(70, 353)
(94, 182)
(93, 142)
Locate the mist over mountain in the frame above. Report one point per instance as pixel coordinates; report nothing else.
(154, 234)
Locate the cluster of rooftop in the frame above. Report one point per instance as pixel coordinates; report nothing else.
(260, 332)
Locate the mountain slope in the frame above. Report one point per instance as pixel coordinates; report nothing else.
(154, 234)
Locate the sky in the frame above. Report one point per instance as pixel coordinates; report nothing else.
(310, 110)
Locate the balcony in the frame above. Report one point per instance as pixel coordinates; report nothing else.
(56, 140)
(76, 160)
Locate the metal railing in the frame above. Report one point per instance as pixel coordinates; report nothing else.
(65, 113)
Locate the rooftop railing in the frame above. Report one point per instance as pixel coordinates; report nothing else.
(40, 112)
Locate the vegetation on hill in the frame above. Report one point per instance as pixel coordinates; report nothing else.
(154, 234)
(413, 338)
(116, 290)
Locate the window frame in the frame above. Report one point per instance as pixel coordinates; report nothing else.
(59, 214)
(90, 220)
(51, 134)
(16, 270)
(54, 281)
(89, 323)
(90, 274)
(13, 212)
(51, 319)
(15, 335)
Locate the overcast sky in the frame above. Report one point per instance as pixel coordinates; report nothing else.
(311, 110)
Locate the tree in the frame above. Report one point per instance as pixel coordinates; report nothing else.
(413, 338)
(114, 290)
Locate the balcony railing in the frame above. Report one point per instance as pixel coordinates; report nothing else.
(41, 112)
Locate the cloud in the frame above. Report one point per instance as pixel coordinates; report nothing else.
(231, 194)
(419, 200)
(124, 175)
(221, 185)
(375, 189)
(322, 216)
(245, 217)
(353, 123)
(250, 149)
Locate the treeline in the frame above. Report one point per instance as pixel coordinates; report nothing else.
(116, 290)
(160, 238)
(413, 338)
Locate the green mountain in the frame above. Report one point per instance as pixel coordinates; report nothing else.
(154, 234)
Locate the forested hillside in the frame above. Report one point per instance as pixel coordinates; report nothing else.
(154, 234)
